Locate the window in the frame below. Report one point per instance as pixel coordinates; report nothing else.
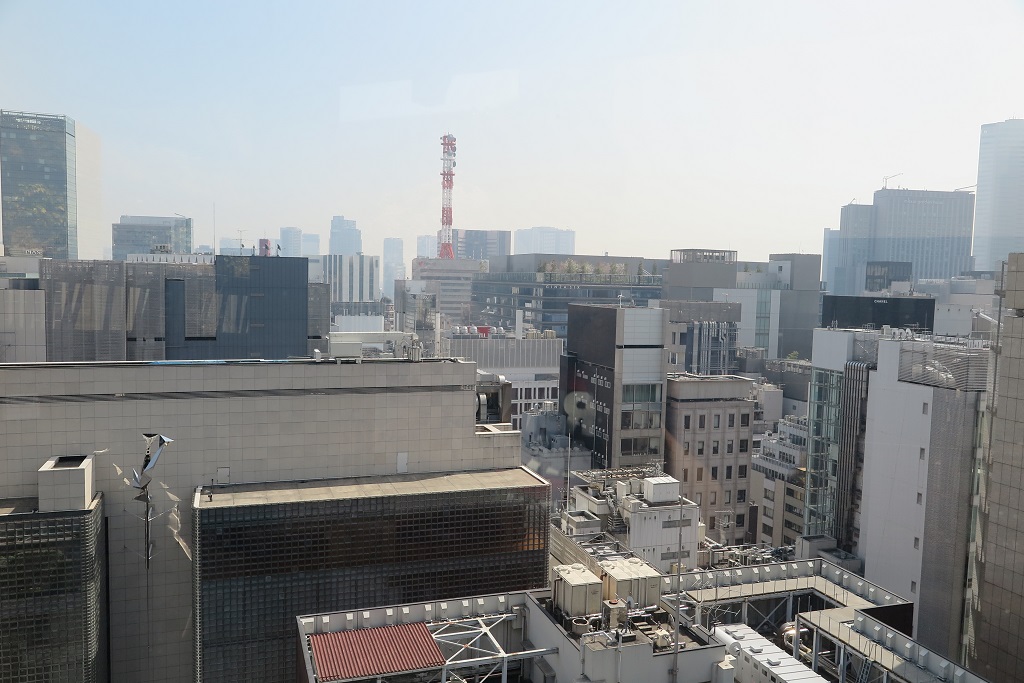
(728, 471)
(742, 472)
(769, 494)
(700, 422)
(716, 420)
(714, 498)
(921, 454)
(697, 499)
(732, 419)
(700, 474)
(766, 530)
(714, 448)
(673, 339)
(917, 543)
(741, 496)
(744, 445)
(714, 474)
(686, 421)
(744, 419)
(767, 512)
(711, 521)
(913, 586)
(741, 520)
(924, 408)
(686, 448)
(700, 448)
(728, 497)
(728, 446)
(920, 499)
(686, 475)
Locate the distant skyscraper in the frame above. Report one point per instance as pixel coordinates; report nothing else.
(543, 240)
(290, 242)
(481, 244)
(232, 246)
(310, 244)
(142, 234)
(38, 176)
(394, 265)
(345, 237)
(999, 218)
(426, 246)
(931, 230)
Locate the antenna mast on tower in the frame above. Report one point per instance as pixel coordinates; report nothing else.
(444, 248)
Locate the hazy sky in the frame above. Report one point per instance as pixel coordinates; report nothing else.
(643, 126)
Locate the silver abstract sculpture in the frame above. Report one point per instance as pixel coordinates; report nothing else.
(141, 481)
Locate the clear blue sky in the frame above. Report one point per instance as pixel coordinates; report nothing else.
(643, 126)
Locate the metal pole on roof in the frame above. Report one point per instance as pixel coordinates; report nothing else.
(679, 594)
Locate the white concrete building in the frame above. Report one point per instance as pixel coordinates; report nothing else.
(915, 513)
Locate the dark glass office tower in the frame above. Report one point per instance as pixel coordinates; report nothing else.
(37, 178)
(266, 553)
(52, 593)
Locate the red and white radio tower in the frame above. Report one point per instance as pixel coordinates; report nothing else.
(444, 249)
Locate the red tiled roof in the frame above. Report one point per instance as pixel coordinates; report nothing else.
(374, 651)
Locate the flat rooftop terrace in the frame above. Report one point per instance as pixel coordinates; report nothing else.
(18, 506)
(269, 493)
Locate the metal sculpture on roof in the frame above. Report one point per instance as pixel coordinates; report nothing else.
(141, 480)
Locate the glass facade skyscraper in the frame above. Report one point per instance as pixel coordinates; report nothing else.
(265, 553)
(142, 234)
(52, 595)
(39, 199)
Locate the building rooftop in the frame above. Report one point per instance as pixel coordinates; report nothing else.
(371, 652)
(18, 506)
(269, 493)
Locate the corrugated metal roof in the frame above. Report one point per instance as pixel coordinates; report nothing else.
(361, 653)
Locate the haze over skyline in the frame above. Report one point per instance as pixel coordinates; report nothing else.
(642, 127)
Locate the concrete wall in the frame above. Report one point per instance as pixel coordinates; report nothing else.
(241, 422)
(22, 326)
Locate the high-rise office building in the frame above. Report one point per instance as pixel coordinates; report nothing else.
(999, 215)
(426, 246)
(394, 265)
(310, 244)
(347, 543)
(929, 229)
(543, 240)
(352, 277)
(247, 423)
(345, 237)
(38, 179)
(993, 634)
(143, 234)
(709, 423)
(481, 244)
(52, 577)
(612, 383)
(290, 242)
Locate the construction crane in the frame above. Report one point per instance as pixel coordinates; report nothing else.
(886, 179)
(444, 247)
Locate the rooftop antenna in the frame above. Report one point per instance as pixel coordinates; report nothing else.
(886, 179)
(445, 249)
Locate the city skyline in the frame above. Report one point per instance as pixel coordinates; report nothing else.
(601, 120)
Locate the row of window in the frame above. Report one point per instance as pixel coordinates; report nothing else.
(641, 393)
(741, 473)
(641, 445)
(716, 420)
(741, 497)
(641, 419)
(716, 446)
